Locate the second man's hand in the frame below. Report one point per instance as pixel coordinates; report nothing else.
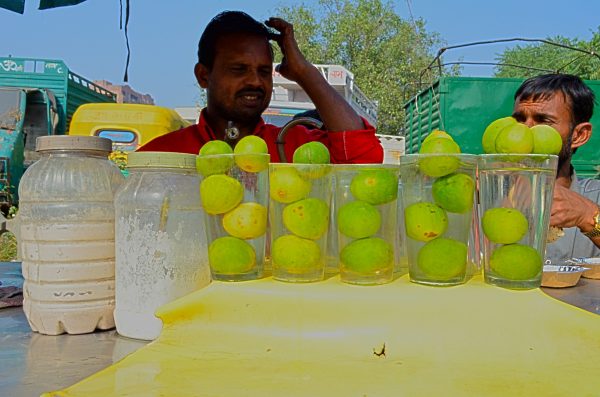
(569, 209)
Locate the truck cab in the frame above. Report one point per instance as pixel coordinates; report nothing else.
(37, 98)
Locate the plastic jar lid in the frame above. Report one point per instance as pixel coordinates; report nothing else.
(71, 142)
(161, 160)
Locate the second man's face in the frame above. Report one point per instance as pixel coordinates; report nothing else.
(553, 111)
(240, 83)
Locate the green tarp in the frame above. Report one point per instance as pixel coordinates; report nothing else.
(19, 5)
(45, 4)
(13, 5)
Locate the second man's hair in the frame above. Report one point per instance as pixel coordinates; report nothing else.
(578, 95)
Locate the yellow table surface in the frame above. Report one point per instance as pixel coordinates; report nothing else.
(266, 338)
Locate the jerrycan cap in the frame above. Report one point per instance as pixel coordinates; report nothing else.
(72, 142)
(161, 160)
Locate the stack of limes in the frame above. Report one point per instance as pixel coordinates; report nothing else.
(361, 221)
(513, 261)
(506, 135)
(305, 218)
(507, 226)
(441, 258)
(222, 196)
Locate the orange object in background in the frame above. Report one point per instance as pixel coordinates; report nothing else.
(127, 125)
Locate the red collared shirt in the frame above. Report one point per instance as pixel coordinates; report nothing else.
(346, 147)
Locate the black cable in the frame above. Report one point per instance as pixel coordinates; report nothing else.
(125, 78)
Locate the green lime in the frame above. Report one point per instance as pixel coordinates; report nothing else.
(443, 258)
(358, 219)
(252, 162)
(454, 192)
(251, 144)
(437, 134)
(488, 140)
(294, 254)
(311, 153)
(516, 262)
(250, 154)
(230, 255)
(209, 163)
(286, 185)
(247, 221)
(367, 255)
(546, 140)
(375, 186)
(514, 138)
(307, 218)
(220, 193)
(436, 166)
(504, 225)
(316, 158)
(425, 221)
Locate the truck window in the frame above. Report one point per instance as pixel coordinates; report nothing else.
(278, 119)
(36, 119)
(280, 116)
(124, 140)
(9, 109)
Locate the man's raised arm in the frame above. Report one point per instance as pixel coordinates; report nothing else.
(336, 113)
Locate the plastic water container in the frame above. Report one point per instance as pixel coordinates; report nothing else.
(161, 251)
(67, 226)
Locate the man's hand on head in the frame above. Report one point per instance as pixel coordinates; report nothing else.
(570, 209)
(337, 114)
(293, 64)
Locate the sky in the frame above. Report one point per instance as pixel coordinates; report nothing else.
(163, 35)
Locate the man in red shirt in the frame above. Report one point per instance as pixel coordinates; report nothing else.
(234, 65)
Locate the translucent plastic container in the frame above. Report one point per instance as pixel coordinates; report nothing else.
(161, 251)
(67, 235)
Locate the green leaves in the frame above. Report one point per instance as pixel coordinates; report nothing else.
(385, 53)
(552, 58)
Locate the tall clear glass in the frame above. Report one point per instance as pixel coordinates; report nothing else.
(438, 193)
(299, 211)
(366, 201)
(235, 197)
(516, 197)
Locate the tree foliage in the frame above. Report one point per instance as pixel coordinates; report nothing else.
(386, 53)
(552, 58)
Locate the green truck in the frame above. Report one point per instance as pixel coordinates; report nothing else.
(37, 97)
(464, 106)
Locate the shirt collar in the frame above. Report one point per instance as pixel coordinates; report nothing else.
(203, 125)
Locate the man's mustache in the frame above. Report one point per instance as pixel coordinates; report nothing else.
(250, 92)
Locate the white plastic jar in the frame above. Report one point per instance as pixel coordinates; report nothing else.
(66, 213)
(161, 251)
